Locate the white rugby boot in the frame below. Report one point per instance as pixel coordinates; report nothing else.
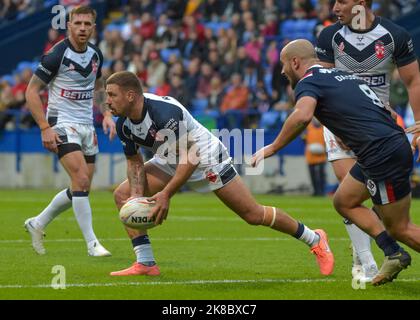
(95, 249)
(37, 236)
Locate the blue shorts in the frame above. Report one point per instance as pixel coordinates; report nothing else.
(393, 186)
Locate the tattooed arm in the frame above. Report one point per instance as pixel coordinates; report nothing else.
(136, 175)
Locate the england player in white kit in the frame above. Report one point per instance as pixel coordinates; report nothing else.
(184, 152)
(372, 52)
(72, 71)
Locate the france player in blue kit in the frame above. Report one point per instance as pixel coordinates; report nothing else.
(346, 105)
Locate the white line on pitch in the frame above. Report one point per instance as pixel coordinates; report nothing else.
(171, 239)
(188, 282)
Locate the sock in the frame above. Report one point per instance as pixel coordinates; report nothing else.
(143, 250)
(361, 244)
(306, 235)
(388, 245)
(83, 213)
(60, 203)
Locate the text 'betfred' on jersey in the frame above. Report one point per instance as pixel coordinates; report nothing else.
(77, 95)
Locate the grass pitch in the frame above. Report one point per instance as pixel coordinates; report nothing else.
(204, 251)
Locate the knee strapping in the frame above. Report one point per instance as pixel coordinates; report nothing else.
(269, 217)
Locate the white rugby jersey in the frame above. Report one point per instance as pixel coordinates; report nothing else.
(166, 113)
(71, 77)
(372, 54)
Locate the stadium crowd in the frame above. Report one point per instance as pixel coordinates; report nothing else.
(218, 58)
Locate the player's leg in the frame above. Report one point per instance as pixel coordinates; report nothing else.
(80, 173)
(36, 225)
(145, 262)
(342, 161)
(237, 197)
(348, 202)
(60, 203)
(396, 219)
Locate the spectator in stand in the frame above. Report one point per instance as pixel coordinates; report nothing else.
(214, 9)
(272, 55)
(54, 37)
(148, 26)
(228, 67)
(316, 156)
(279, 83)
(131, 26)
(242, 59)
(138, 67)
(7, 102)
(203, 87)
(216, 94)
(236, 97)
(191, 78)
(156, 70)
(253, 48)
(177, 90)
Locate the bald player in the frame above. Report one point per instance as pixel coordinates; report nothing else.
(371, 47)
(346, 105)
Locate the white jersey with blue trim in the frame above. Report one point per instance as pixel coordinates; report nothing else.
(71, 77)
(371, 54)
(163, 115)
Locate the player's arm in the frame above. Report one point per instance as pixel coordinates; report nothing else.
(294, 125)
(108, 124)
(324, 50)
(410, 75)
(136, 175)
(188, 162)
(34, 103)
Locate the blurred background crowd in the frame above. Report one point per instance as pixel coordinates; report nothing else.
(218, 58)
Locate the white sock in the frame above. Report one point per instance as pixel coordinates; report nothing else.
(60, 203)
(361, 244)
(308, 236)
(144, 254)
(83, 213)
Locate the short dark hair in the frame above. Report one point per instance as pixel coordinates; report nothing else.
(369, 3)
(83, 10)
(126, 80)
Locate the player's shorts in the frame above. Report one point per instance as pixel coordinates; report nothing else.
(205, 179)
(334, 151)
(396, 184)
(83, 135)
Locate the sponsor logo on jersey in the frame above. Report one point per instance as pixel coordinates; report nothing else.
(379, 49)
(371, 186)
(377, 80)
(77, 94)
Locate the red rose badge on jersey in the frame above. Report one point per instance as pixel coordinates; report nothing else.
(211, 176)
(379, 49)
(94, 66)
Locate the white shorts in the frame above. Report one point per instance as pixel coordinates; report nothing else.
(83, 135)
(334, 151)
(205, 179)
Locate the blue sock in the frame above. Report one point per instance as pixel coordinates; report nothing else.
(388, 245)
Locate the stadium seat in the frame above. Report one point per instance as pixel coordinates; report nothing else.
(9, 79)
(166, 53)
(198, 106)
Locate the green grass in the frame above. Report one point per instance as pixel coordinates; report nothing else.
(200, 245)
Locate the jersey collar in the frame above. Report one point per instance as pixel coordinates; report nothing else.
(375, 23)
(143, 112)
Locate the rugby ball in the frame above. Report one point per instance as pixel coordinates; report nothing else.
(135, 213)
